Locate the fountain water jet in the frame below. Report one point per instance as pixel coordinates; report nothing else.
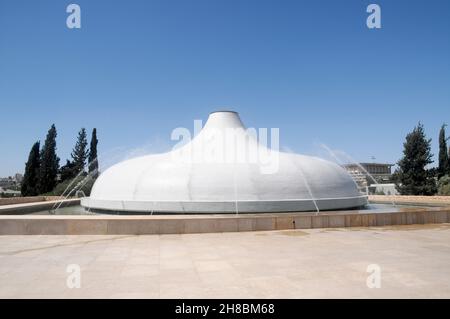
(333, 154)
(306, 183)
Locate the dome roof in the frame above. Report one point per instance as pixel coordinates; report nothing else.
(224, 169)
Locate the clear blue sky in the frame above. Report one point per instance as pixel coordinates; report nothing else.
(138, 69)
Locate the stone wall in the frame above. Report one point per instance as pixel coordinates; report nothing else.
(187, 224)
(23, 200)
(403, 199)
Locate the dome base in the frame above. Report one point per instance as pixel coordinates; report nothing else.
(214, 207)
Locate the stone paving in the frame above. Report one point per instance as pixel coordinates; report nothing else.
(313, 263)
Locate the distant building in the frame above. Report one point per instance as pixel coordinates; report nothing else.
(19, 178)
(10, 185)
(6, 182)
(366, 174)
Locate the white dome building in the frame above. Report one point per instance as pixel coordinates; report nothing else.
(224, 169)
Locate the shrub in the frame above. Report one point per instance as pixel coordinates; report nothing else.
(444, 185)
(80, 183)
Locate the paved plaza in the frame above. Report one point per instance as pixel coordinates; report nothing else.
(314, 263)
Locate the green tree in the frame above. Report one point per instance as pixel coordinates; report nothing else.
(67, 171)
(444, 186)
(80, 153)
(92, 160)
(48, 170)
(78, 183)
(412, 176)
(444, 165)
(30, 180)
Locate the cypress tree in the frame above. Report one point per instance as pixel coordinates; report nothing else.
(412, 176)
(30, 180)
(79, 152)
(443, 168)
(93, 161)
(49, 163)
(448, 156)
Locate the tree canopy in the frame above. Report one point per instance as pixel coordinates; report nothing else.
(412, 176)
(30, 180)
(79, 152)
(444, 164)
(93, 160)
(49, 163)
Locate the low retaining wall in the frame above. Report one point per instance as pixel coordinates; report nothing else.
(28, 208)
(411, 200)
(184, 224)
(30, 199)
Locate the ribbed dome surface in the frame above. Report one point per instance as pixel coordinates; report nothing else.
(224, 170)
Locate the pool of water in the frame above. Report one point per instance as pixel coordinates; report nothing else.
(370, 208)
(70, 210)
